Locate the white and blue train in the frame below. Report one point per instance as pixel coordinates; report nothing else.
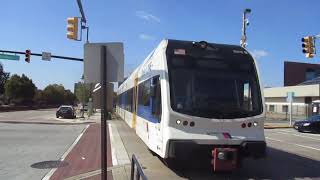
(189, 98)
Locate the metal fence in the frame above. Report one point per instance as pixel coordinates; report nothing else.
(282, 111)
(136, 172)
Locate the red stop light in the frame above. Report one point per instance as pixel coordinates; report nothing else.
(28, 54)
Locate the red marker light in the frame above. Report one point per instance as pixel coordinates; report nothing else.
(243, 125)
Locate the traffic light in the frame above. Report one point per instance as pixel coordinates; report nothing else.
(308, 46)
(28, 54)
(72, 28)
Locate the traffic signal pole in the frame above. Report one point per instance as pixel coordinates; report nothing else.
(83, 19)
(38, 54)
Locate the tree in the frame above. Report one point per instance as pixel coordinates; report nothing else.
(20, 90)
(69, 97)
(82, 92)
(4, 76)
(39, 97)
(55, 94)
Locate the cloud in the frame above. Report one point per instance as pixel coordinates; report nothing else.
(259, 53)
(146, 37)
(147, 16)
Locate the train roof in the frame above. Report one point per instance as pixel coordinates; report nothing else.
(173, 43)
(185, 44)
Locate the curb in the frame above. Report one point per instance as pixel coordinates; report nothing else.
(45, 123)
(276, 127)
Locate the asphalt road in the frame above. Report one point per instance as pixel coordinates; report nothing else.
(291, 155)
(23, 145)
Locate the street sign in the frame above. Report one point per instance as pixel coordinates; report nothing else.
(92, 59)
(9, 57)
(97, 101)
(290, 96)
(46, 56)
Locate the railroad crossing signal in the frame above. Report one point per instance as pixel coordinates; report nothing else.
(28, 54)
(72, 28)
(308, 46)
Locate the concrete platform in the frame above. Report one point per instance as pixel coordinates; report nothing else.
(124, 143)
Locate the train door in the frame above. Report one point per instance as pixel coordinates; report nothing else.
(135, 103)
(156, 111)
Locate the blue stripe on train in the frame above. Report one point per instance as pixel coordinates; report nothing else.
(145, 113)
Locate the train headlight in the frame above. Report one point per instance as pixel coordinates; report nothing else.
(178, 121)
(255, 124)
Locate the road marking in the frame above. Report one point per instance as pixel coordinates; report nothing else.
(298, 135)
(50, 173)
(274, 139)
(308, 147)
(316, 135)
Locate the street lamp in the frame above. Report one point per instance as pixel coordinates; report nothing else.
(245, 23)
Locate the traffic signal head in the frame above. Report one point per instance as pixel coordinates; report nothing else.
(308, 46)
(28, 54)
(72, 28)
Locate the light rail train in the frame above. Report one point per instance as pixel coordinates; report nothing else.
(189, 98)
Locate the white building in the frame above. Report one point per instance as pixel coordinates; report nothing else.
(277, 105)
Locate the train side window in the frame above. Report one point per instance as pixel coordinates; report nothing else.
(129, 99)
(144, 93)
(156, 97)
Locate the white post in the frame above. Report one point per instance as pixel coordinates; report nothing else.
(290, 112)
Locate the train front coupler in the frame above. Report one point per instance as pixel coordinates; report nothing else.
(225, 159)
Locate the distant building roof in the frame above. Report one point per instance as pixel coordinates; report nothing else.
(300, 91)
(312, 81)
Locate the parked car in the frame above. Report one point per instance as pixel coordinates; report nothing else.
(65, 111)
(311, 124)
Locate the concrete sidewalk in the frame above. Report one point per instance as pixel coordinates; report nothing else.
(276, 125)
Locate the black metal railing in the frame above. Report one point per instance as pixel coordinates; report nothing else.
(139, 171)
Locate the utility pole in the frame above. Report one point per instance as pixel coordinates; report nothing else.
(83, 19)
(245, 23)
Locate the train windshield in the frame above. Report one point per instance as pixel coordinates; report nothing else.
(222, 88)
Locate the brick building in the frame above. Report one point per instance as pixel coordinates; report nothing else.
(297, 72)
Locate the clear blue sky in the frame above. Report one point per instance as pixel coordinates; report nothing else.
(274, 34)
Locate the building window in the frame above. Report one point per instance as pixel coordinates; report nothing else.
(271, 108)
(310, 74)
(285, 108)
